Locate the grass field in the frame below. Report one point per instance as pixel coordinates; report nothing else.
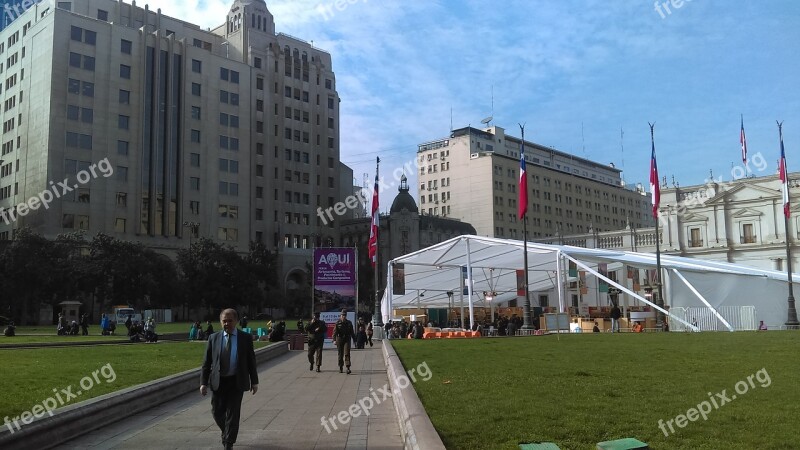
(583, 389)
(31, 375)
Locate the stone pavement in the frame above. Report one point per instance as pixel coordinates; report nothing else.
(284, 414)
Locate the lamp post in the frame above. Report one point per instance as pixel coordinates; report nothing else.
(449, 305)
(489, 297)
(193, 228)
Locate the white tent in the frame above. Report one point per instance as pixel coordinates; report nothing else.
(687, 282)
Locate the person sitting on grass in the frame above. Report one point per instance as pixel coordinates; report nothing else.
(637, 327)
(762, 326)
(595, 328)
(10, 330)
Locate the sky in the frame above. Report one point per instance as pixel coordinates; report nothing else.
(585, 77)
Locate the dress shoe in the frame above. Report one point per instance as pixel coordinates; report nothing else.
(348, 370)
(340, 369)
(311, 367)
(318, 369)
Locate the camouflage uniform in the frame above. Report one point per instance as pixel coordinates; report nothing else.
(316, 338)
(343, 335)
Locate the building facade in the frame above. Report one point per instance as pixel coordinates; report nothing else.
(739, 221)
(402, 231)
(474, 176)
(162, 130)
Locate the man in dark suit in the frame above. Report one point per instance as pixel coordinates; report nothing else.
(229, 367)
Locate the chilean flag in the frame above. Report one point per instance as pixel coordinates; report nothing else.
(373, 231)
(655, 188)
(743, 140)
(523, 183)
(783, 173)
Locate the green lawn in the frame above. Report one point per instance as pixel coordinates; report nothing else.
(28, 339)
(583, 389)
(30, 375)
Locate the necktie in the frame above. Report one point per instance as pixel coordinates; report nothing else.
(225, 363)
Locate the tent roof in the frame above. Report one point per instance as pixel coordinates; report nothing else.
(437, 269)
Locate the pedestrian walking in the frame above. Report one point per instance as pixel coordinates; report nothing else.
(316, 330)
(343, 335)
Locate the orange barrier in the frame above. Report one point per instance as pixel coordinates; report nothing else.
(450, 334)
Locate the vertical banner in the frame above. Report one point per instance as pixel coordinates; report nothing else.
(398, 279)
(466, 278)
(582, 281)
(602, 268)
(520, 283)
(334, 284)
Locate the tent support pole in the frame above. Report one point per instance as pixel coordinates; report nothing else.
(469, 289)
(691, 288)
(630, 292)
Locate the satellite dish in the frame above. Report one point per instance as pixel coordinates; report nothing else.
(487, 120)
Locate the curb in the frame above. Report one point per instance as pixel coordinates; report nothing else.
(415, 425)
(75, 420)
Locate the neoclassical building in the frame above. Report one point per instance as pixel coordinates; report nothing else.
(739, 221)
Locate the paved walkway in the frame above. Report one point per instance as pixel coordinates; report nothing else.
(284, 414)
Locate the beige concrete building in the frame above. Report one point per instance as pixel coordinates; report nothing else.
(474, 175)
(231, 133)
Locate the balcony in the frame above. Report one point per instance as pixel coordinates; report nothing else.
(695, 242)
(747, 239)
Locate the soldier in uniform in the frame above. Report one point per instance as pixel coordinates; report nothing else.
(343, 334)
(316, 338)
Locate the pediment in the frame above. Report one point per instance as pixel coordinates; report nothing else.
(689, 217)
(746, 212)
(742, 192)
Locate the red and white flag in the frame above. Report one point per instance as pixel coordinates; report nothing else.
(784, 176)
(373, 231)
(655, 188)
(523, 182)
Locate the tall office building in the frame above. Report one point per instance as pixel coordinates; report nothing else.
(474, 176)
(230, 133)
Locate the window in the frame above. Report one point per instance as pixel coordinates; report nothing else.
(124, 96)
(694, 238)
(224, 74)
(196, 112)
(124, 122)
(194, 159)
(119, 225)
(125, 71)
(122, 148)
(748, 235)
(102, 15)
(194, 206)
(197, 66)
(195, 136)
(195, 88)
(260, 84)
(122, 173)
(194, 183)
(257, 62)
(122, 199)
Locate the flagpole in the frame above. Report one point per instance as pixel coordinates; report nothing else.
(660, 301)
(377, 318)
(526, 313)
(791, 322)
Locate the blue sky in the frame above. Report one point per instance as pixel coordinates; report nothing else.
(576, 72)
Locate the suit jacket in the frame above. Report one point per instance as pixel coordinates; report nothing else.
(246, 373)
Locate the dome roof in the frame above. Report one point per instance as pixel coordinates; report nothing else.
(404, 200)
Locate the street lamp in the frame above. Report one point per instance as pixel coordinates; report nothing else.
(193, 229)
